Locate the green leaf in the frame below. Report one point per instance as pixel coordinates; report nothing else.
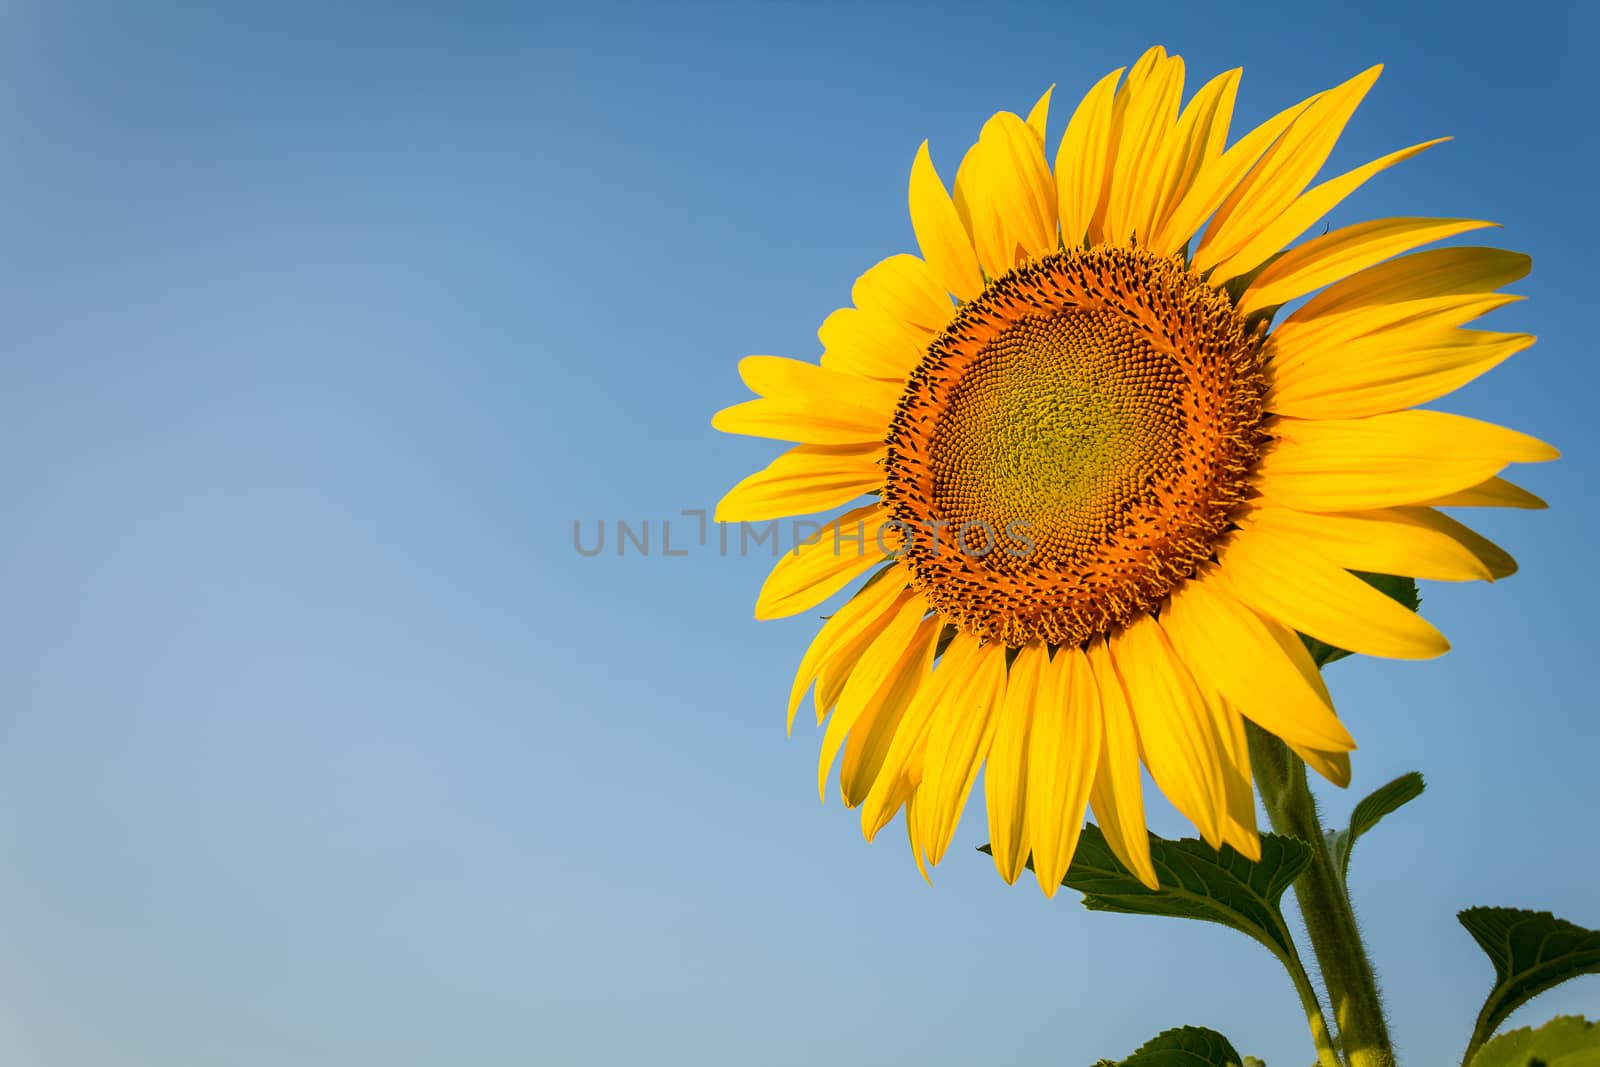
(1197, 882)
(1532, 951)
(1565, 1041)
(1187, 1046)
(1367, 814)
(1403, 590)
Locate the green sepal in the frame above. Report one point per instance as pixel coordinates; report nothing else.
(1197, 882)
(1402, 590)
(1234, 287)
(1186, 1046)
(1532, 951)
(1367, 814)
(1565, 1041)
(1256, 321)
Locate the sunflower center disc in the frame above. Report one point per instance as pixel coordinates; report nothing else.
(1074, 445)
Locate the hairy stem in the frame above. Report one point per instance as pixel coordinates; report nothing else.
(1327, 1054)
(1325, 906)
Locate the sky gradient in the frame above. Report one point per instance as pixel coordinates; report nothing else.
(320, 744)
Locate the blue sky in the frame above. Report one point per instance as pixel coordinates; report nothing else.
(319, 744)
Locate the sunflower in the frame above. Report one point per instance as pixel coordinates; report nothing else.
(1105, 494)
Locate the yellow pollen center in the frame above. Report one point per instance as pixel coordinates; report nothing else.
(1056, 423)
(1074, 445)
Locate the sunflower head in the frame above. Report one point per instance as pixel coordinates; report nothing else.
(1108, 494)
(1098, 412)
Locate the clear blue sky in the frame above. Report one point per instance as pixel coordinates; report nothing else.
(319, 744)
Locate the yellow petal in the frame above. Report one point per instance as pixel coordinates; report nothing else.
(1146, 65)
(1063, 755)
(902, 288)
(914, 836)
(841, 665)
(805, 382)
(964, 191)
(803, 421)
(1386, 460)
(1083, 161)
(1298, 216)
(804, 402)
(958, 743)
(1497, 560)
(1417, 542)
(1239, 810)
(1005, 776)
(871, 345)
(1219, 178)
(1261, 667)
(940, 234)
(1140, 162)
(870, 678)
(1006, 194)
(898, 785)
(1282, 172)
(815, 569)
(1180, 748)
(1024, 187)
(867, 612)
(1284, 577)
(904, 759)
(804, 480)
(1039, 117)
(1138, 74)
(1381, 374)
(1039, 122)
(1419, 276)
(1493, 493)
(1332, 256)
(1117, 796)
(882, 710)
(1395, 325)
(1196, 144)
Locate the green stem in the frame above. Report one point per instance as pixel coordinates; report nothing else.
(1481, 1032)
(1327, 1055)
(1325, 906)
